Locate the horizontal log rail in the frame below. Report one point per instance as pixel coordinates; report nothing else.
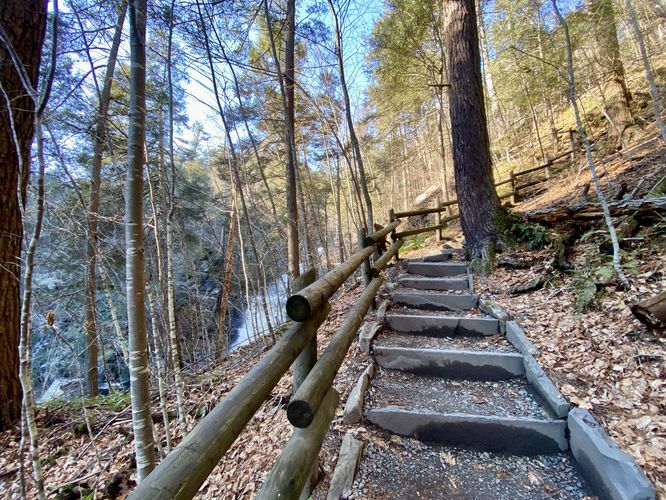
(425, 211)
(185, 469)
(501, 183)
(511, 180)
(534, 182)
(373, 238)
(302, 304)
(531, 170)
(292, 469)
(384, 259)
(412, 232)
(305, 403)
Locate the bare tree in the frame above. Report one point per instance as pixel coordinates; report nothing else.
(588, 150)
(136, 309)
(99, 141)
(654, 91)
(287, 83)
(356, 148)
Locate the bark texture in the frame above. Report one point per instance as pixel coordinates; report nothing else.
(23, 23)
(477, 200)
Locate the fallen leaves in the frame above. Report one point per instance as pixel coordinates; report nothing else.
(603, 360)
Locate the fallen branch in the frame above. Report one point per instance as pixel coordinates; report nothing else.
(590, 211)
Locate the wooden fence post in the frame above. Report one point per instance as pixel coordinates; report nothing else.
(308, 357)
(438, 221)
(365, 266)
(574, 145)
(512, 183)
(393, 237)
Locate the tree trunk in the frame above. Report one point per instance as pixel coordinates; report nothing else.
(617, 96)
(136, 309)
(24, 26)
(654, 91)
(222, 341)
(171, 279)
(478, 202)
(99, 140)
(350, 122)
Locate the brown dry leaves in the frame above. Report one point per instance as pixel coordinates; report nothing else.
(239, 474)
(605, 360)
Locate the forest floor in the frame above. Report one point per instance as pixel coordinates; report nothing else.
(600, 357)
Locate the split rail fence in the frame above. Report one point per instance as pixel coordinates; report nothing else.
(312, 406)
(442, 222)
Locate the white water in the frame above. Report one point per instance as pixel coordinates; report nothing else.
(254, 319)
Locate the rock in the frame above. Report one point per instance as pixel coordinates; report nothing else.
(345, 469)
(354, 406)
(611, 471)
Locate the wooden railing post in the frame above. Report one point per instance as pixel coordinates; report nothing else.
(438, 221)
(393, 236)
(308, 357)
(574, 145)
(365, 266)
(512, 183)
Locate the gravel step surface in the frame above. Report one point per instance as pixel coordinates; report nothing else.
(492, 343)
(506, 398)
(469, 313)
(407, 289)
(394, 467)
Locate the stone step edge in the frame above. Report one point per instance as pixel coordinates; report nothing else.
(469, 365)
(349, 458)
(611, 472)
(353, 411)
(527, 436)
(437, 269)
(430, 283)
(437, 326)
(436, 301)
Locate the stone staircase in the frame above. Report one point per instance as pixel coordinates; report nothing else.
(459, 407)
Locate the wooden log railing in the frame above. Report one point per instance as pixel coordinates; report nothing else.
(185, 469)
(515, 188)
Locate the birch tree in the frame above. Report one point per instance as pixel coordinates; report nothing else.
(136, 309)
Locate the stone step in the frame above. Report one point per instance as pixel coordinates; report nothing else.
(437, 269)
(442, 326)
(471, 365)
(526, 436)
(436, 301)
(399, 467)
(445, 256)
(494, 343)
(439, 284)
(496, 398)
